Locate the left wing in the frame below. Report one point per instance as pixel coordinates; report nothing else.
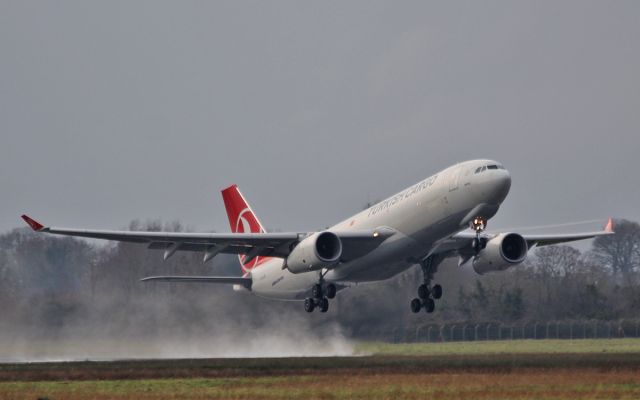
(271, 244)
(355, 243)
(246, 282)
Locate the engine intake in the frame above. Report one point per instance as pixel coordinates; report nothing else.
(501, 252)
(320, 250)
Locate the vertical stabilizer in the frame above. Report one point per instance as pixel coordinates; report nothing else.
(242, 219)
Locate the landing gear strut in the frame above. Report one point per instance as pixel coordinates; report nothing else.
(321, 293)
(427, 294)
(478, 224)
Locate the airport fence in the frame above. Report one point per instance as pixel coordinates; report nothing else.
(474, 331)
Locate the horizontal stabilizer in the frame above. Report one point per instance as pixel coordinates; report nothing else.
(231, 280)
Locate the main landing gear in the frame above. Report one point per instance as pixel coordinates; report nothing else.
(321, 293)
(427, 294)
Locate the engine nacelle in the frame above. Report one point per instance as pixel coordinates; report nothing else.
(315, 252)
(501, 252)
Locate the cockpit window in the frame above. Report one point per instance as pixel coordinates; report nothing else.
(486, 167)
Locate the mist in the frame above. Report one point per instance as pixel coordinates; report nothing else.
(71, 300)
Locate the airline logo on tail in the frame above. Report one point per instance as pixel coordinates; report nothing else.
(242, 219)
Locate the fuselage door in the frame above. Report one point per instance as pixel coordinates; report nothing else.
(454, 178)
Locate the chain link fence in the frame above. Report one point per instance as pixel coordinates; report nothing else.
(472, 331)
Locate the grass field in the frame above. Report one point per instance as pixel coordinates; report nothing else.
(503, 347)
(595, 369)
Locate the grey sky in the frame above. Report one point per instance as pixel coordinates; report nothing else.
(113, 110)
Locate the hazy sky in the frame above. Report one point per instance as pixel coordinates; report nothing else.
(116, 110)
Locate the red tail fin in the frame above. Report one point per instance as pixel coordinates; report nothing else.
(242, 219)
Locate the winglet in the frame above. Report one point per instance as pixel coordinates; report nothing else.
(35, 225)
(609, 226)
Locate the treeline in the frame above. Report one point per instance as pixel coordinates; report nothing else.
(55, 285)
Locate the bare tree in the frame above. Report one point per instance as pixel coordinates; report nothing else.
(621, 251)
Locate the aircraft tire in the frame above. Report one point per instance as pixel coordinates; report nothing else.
(423, 291)
(429, 305)
(331, 291)
(309, 305)
(324, 304)
(316, 291)
(436, 291)
(416, 305)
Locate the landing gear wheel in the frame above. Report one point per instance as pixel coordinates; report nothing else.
(416, 305)
(423, 291)
(429, 305)
(331, 291)
(436, 291)
(316, 291)
(324, 304)
(309, 304)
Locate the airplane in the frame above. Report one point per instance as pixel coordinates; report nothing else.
(442, 216)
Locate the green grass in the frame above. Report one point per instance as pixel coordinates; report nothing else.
(520, 369)
(588, 346)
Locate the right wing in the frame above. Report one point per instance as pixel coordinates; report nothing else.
(461, 243)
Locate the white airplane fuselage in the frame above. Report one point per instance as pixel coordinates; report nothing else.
(422, 215)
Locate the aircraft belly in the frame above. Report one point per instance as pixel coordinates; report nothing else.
(273, 282)
(386, 261)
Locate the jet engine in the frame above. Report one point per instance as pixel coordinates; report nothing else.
(501, 252)
(315, 252)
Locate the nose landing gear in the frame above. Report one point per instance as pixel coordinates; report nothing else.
(427, 294)
(478, 224)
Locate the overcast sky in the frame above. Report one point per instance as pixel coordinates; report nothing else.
(116, 110)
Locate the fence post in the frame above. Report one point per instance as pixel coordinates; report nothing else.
(547, 335)
(429, 333)
(488, 331)
(442, 333)
(451, 333)
(524, 328)
(535, 330)
(475, 333)
(571, 330)
(558, 330)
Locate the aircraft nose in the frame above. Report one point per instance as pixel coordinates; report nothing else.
(499, 186)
